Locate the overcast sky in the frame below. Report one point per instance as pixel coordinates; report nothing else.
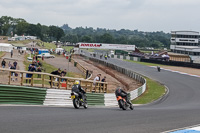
(143, 15)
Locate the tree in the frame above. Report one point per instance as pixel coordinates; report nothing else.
(107, 38)
(22, 27)
(86, 39)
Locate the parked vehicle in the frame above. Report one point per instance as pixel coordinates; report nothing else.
(77, 102)
(123, 103)
(46, 55)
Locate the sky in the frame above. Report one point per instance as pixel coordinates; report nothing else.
(142, 15)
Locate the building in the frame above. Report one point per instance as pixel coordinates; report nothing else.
(186, 42)
(21, 38)
(5, 47)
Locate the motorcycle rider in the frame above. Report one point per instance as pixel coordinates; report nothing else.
(120, 92)
(77, 89)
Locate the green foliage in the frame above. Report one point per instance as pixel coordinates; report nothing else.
(1, 54)
(10, 26)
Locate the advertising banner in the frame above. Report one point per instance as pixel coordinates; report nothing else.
(107, 46)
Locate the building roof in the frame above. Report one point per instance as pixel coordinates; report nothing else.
(5, 44)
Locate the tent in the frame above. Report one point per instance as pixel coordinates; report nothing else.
(6, 47)
(61, 50)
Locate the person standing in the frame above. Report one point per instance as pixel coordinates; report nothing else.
(103, 80)
(3, 63)
(63, 74)
(97, 78)
(15, 64)
(11, 53)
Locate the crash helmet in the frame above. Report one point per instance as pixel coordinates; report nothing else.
(77, 82)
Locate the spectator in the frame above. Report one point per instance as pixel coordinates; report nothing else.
(57, 72)
(12, 73)
(63, 74)
(9, 65)
(15, 64)
(103, 80)
(11, 53)
(97, 78)
(3, 63)
(32, 68)
(36, 58)
(39, 70)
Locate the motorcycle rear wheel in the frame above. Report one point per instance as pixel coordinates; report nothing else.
(122, 104)
(76, 103)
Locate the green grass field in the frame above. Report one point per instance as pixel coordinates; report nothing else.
(154, 91)
(1, 54)
(68, 48)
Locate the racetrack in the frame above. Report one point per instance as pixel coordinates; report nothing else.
(181, 108)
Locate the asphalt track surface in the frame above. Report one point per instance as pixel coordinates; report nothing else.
(181, 108)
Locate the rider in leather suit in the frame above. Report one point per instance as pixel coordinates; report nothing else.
(77, 89)
(120, 92)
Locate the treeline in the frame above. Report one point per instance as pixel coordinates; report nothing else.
(10, 26)
(99, 35)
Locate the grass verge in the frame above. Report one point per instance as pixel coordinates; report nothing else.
(153, 92)
(2, 54)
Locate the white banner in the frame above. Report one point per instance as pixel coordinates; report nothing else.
(107, 46)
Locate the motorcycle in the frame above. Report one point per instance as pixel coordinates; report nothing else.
(77, 102)
(123, 103)
(158, 68)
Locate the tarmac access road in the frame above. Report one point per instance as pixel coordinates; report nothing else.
(180, 109)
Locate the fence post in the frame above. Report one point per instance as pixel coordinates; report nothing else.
(42, 80)
(9, 76)
(51, 81)
(32, 80)
(22, 78)
(59, 83)
(66, 83)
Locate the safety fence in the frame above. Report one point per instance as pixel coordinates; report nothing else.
(46, 80)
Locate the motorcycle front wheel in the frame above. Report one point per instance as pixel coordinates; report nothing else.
(131, 107)
(85, 105)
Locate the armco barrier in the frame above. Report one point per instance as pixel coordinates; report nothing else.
(21, 95)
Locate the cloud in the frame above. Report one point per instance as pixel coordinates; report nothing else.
(147, 15)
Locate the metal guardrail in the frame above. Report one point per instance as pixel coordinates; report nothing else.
(46, 80)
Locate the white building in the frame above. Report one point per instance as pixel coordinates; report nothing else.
(6, 47)
(186, 42)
